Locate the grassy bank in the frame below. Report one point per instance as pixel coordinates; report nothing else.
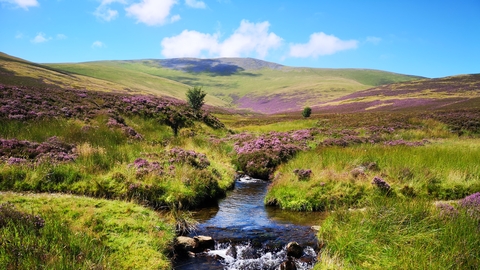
(82, 233)
(396, 233)
(342, 176)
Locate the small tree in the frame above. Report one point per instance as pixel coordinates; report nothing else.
(307, 111)
(196, 97)
(176, 121)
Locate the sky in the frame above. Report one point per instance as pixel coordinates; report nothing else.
(417, 37)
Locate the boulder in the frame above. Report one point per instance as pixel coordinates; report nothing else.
(184, 244)
(294, 250)
(203, 242)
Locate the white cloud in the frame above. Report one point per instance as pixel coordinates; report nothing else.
(321, 44)
(189, 44)
(40, 38)
(98, 44)
(247, 39)
(104, 12)
(250, 37)
(195, 4)
(374, 40)
(152, 12)
(25, 4)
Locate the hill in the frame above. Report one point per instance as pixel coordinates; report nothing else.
(16, 71)
(252, 84)
(454, 92)
(240, 83)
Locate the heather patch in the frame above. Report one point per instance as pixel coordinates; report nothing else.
(259, 156)
(471, 204)
(14, 151)
(25, 103)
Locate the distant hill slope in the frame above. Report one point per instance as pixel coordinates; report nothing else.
(455, 92)
(16, 71)
(239, 83)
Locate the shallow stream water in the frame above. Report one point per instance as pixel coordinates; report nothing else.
(250, 235)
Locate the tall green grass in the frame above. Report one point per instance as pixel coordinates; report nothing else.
(441, 170)
(393, 233)
(85, 233)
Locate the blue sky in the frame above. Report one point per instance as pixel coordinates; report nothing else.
(421, 37)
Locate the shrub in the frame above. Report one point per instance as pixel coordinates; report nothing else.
(307, 111)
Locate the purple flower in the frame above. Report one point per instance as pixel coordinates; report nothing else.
(472, 204)
(381, 184)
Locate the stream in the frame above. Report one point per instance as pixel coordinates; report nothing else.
(250, 235)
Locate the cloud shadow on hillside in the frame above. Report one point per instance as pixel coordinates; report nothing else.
(214, 67)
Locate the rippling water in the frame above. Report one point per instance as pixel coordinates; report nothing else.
(250, 235)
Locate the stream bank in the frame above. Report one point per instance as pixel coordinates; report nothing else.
(250, 235)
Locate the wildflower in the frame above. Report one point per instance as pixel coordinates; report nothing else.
(381, 184)
(472, 204)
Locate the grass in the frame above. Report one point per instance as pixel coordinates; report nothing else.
(85, 233)
(103, 165)
(441, 170)
(394, 233)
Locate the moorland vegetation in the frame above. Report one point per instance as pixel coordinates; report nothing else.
(101, 179)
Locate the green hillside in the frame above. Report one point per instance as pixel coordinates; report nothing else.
(236, 83)
(296, 87)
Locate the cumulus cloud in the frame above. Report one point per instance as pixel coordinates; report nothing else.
(247, 39)
(152, 12)
(189, 44)
(321, 44)
(195, 4)
(250, 37)
(25, 4)
(98, 44)
(40, 38)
